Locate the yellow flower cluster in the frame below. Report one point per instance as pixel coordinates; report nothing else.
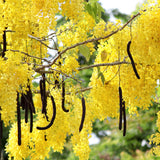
(13, 77)
(136, 92)
(75, 32)
(70, 65)
(35, 18)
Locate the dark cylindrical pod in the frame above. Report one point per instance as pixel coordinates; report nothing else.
(132, 61)
(41, 87)
(26, 112)
(45, 137)
(53, 117)
(31, 120)
(30, 98)
(124, 119)
(18, 120)
(44, 95)
(83, 114)
(63, 96)
(120, 103)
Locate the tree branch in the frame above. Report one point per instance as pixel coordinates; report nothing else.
(104, 64)
(28, 54)
(55, 70)
(88, 41)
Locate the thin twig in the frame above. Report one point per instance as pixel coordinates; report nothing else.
(55, 70)
(28, 54)
(85, 89)
(52, 34)
(130, 20)
(103, 64)
(33, 64)
(81, 90)
(41, 41)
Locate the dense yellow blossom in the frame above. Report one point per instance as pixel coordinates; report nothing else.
(26, 24)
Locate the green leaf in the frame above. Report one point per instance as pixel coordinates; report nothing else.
(100, 74)
(102, 78)
(85, 51)
(94, 9)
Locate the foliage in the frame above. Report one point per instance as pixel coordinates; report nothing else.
(119, 15)
(58, 109)
(115, 146)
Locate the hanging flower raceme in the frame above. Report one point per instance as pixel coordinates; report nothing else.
(127, 58)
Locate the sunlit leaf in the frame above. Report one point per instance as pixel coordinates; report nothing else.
(85, 51)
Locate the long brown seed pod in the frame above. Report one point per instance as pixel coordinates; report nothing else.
(41, 92)
(132, 61)
(120, 103)
(41, 87)
(63, 96)
(31, 120)
(124, 119)
(83, 114)
(18, 120)
(53, 117)
(30, 99)
(43, 97)
(26, 112)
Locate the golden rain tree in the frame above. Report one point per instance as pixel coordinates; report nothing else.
(124, 73)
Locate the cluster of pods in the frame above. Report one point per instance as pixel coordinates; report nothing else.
(26, 102)
(121, 100)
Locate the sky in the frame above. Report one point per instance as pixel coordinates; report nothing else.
(124, 6)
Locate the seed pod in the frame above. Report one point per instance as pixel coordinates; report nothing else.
(45, 137)
(53, 117)
(41, 89)
(43, 97)
(57, 84)
(124, 119)
(18, 120)
(83, 114)
(132, 61)
(31, 120)
(63, 96)
(30, 99)
(41, 92)
(26, 112)
(120, 103)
